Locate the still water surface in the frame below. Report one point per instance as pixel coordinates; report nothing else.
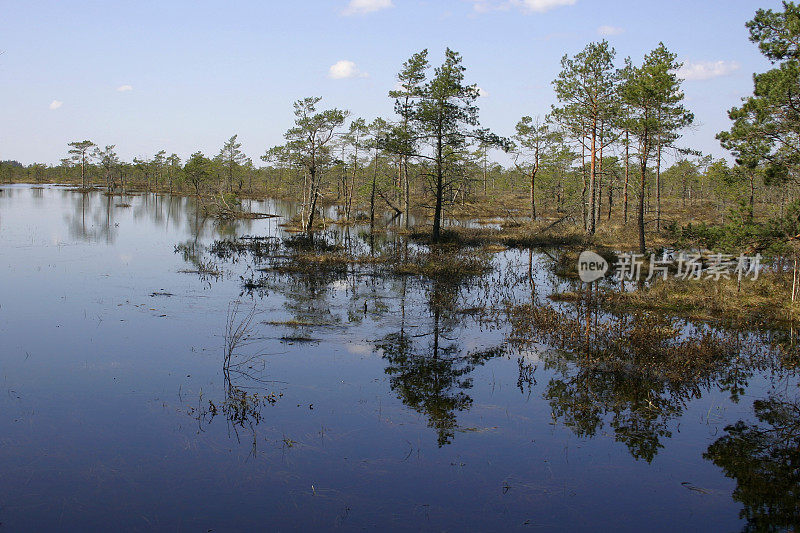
(358, 401)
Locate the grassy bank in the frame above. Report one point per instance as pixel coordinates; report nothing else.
(764, 303)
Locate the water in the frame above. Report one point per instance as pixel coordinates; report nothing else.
(358, 400)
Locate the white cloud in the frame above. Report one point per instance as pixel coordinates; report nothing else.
(345, 69)
(540, 6)
(362, 7)
(55, 104)
(528, 6)
(125, 88)
(607, 31)
(482, 6)
(482, 93)
(360, 348)
(706, 70)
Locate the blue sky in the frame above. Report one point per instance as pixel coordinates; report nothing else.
(186, 75)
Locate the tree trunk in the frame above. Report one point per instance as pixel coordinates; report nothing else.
(642, 188)
(583, 173)
(625, 191)
(312, 200)
(399, 192)
(350, 189)
(600, 178)
(485, 162)
(408, 192)
(372, 195)
(592, 178)
(658, 188)
(437, 213)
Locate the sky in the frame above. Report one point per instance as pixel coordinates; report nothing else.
(184, 76)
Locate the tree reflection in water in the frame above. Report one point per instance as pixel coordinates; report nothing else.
(764, 459)
(430, 372)
(634, 372)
